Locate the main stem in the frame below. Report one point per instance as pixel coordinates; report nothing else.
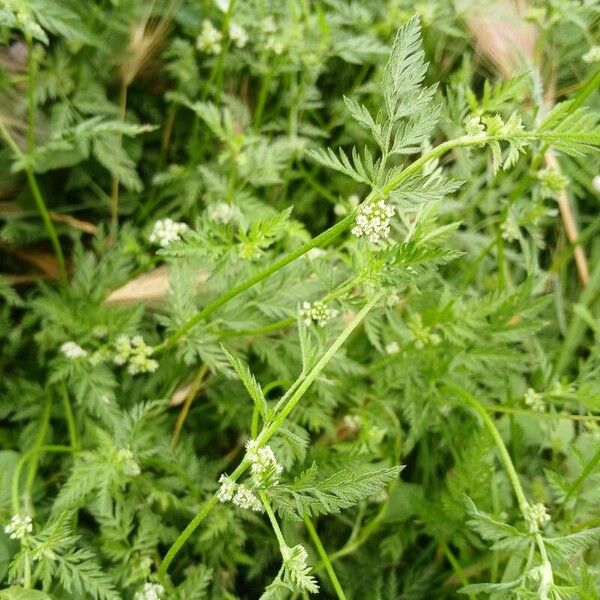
(267, 433)
(323, 239)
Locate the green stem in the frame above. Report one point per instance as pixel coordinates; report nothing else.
(509, 467)
(16, 504)
(39, 441)
(70, 418)
(306, 381)
(460, 574)
(324, 558)
(283, 547)
(577, 326)
(328, 235)
(504, 455)
(38, 198)
(321, 240)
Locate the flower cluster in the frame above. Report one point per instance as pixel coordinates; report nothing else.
(373, 221)
(509, 229)
(238, 35)
(552, 182)
(127, 462)
(264, 467)
(72, 350)
(166, 231)
(19, 527)
(392, 348)
(209, 39)
(592, 55)
(150, 591)
(534, 400)
(474, 126)
(317, 312)
(422, 334)
(136, 352)
(221, 212)
(536, 516)
(239, 494)
(596, 183)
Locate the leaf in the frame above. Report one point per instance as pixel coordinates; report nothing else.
(19, 593)
(309, 497)
(252, 386)
(568, 545)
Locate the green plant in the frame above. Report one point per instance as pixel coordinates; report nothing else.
(327, 346)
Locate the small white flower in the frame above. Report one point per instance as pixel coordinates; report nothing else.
(150, 591)
(269, 25)
(315, 253)
(274, 45)
(227, 489)
(392, 348)
(209, 39)
(352, 422)
(373, 221)
(127, 461)
(135, 353)
(222, 5)
(534, 400)
(72, 350)
(245, 498)
(536, 516)
(317, 312)
(509, 229)
(474, 126)
(238, 35)
(264, 467)
(596, 183)
(221, 212)
(166, 231)
(19, 527)
(592, 55)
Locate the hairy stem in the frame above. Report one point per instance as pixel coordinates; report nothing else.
(306, 381)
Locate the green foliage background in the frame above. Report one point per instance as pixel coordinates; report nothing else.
(455, 386)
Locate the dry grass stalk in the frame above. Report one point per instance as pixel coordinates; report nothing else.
(504, 39)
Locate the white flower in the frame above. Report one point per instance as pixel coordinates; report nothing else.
(227, 489)
(534, 400)
(238, 35)
(392, 348)
(373, 221)
(222, 5)
(592, 55)
(221, 212)
(474, 126)
(315, 253)
(275, 45)
(127, 462)
(245, 498)
(150, 591)
(209, 39)
(317, 312)
(509, 229)
(72, 350)
(536, 516)
(166, 231)
(19, 527)
(596, 183)
(264, 467)
(269, 25)
(136, 353)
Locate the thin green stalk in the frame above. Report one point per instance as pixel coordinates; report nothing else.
(39, 200)
(460, 574)
(509, 467)
(323, 238)
(114, 196)
(577, 326)
(16, 504)
(306, 381)
(324, 558)
(70, 418)
(39, 442)
(274, 524)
